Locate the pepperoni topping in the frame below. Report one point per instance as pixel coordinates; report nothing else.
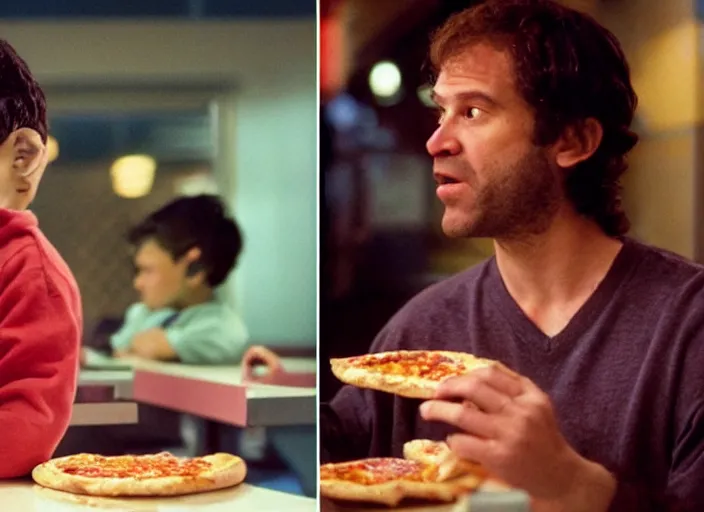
(378, 471)
(132, 466)
(424, 364)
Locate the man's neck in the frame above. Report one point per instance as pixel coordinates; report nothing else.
(551, 275)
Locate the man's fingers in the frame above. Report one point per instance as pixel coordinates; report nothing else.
(469, 447)
(476, 391)
(491, 389)
(468, 419)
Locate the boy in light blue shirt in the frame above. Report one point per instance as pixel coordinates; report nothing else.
(184, 251)
(208, 333)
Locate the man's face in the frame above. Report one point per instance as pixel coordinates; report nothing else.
(160, 281)
(492, 179)
(23, 159)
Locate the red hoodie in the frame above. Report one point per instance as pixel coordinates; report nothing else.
(40, 333)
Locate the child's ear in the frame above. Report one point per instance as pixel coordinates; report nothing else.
(29, 152)
(194, 270)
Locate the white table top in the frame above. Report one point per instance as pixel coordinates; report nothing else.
(228, 374)
(215, 392)
(26, 497)
(90, 377)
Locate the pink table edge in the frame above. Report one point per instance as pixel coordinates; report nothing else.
(226, 403)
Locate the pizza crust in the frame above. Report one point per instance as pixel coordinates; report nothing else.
(407, 386)
(227, 470)
(439, 454)
(392, 493)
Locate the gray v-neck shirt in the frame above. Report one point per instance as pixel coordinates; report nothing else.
(626, 375)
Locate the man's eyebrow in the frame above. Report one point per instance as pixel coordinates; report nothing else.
(464, 97)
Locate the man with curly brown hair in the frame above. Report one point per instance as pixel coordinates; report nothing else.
(605, 334)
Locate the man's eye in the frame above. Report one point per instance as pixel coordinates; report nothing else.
(473, 113)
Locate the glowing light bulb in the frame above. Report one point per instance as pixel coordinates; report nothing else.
(385, 79)
(52, 148)
(133, 175)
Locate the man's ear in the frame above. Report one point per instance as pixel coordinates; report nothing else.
(578, 143)
(29, 152)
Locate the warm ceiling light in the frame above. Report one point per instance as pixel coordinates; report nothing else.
(52, 148)
(385, 79)
(133, 175)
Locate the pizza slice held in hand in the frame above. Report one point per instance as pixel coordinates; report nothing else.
(408, 373)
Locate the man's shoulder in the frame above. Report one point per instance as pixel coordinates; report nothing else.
(441, 299)
(665, 269)
(453, 287)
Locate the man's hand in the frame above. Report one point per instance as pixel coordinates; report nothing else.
(261, 355)
(508, 425)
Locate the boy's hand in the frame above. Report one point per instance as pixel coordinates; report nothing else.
(259, 355)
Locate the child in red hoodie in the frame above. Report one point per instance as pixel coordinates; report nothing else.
(40, 308)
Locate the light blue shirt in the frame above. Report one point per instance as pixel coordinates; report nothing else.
(208, 333)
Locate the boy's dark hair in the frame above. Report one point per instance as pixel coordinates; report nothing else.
(197, 221)
(568, 68)
(22, 102)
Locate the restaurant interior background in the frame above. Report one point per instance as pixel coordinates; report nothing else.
(218, 97)
(381, 238)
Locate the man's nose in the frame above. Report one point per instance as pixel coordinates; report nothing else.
(443, 142)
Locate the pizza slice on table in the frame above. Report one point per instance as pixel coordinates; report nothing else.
(438, 454)
(408, 373)
(429, 471)
(389, 480)
(448, 464)
(160, 474)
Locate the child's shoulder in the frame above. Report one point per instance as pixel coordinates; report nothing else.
(23, 248)
(20, 253)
